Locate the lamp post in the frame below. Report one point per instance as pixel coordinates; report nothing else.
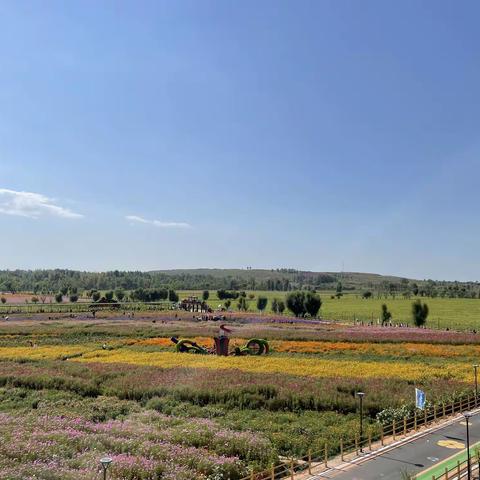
(475, 368)
(105, 461)
(467, 416)
(360, 395)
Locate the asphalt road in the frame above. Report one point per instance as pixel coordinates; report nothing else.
(414, 456)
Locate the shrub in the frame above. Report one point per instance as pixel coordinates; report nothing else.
(419, 313)
(59, 298)
(385, 315)
(205, 295)
(262, 303)
(3, 300)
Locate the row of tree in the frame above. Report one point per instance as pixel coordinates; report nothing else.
(420, 313)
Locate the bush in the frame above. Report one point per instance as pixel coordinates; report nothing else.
(419, 313)
(385, 315)
(59, 298)
(205, 295)
(73, 298)
(262, 303)
(301, 303)
(3, 300)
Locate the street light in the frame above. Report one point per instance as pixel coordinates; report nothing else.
(475, 368)
(105, 461)
(467, 416)
(360, 395)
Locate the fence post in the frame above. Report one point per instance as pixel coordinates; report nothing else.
(326, 455)
(425, 416)
(370, 441)
(273, 472)
(458, 468)
(252, 475)
(468, 401)
(443, 407)
(292, 469)
(381, 436)
(393, 429)
(309, 461)
(415, 421)
(446, 473)
(453, 407)
(356, 445)
(404, 425)
(434, 413)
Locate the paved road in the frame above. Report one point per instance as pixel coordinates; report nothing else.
(412, 457)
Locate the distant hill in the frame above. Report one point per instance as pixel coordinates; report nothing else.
(52, 281)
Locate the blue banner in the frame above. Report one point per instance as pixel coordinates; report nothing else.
(419, 399)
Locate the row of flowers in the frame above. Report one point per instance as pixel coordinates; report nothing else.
(145, 446)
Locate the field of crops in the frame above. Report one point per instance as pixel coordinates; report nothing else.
(73, 390)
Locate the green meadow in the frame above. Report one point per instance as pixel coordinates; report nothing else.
(453, 313)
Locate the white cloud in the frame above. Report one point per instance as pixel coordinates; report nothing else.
(157, 223)
(31, 205)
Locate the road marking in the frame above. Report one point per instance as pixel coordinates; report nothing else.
(453, 444)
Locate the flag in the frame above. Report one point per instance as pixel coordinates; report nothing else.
(419, 399)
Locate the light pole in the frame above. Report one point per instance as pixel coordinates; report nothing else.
(467, 416)
(475, 368)
(105, 461)
(360, 395)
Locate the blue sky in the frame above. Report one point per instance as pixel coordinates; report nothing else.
(178, 134)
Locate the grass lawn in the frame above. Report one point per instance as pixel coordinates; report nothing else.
(454, 313)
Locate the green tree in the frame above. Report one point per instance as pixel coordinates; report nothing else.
(227, 304)
(275, 305)
(96, 296)
(296, 303)
(35, 300)
(3, 300)
(367, 294)
(120, 294)
(385, 314)
(281, 306)
(419, 313)
(205, 295)
(312, 303)
(242, 304)
(73, 298)
(262, 303)
(59, 297)
(172, 296)
(109, 296)
(339, 288)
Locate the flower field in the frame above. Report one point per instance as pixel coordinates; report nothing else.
(72, 392)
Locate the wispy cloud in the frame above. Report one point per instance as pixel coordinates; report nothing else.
(31, 205)
(157, 223)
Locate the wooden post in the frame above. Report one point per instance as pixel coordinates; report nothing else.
(453, 407)
(404, 425)
(309, 461)
(468, 401)
(443, 407)
(370, 441)
(341, 449)
(356, 445)
(434, 413)
(394, 427)
(458, 468)
(381, 435)
(273, 472)
(252, 475)
(415, 421)
(292, 469)
(326, 455)
(446, 473)
(425, 416)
